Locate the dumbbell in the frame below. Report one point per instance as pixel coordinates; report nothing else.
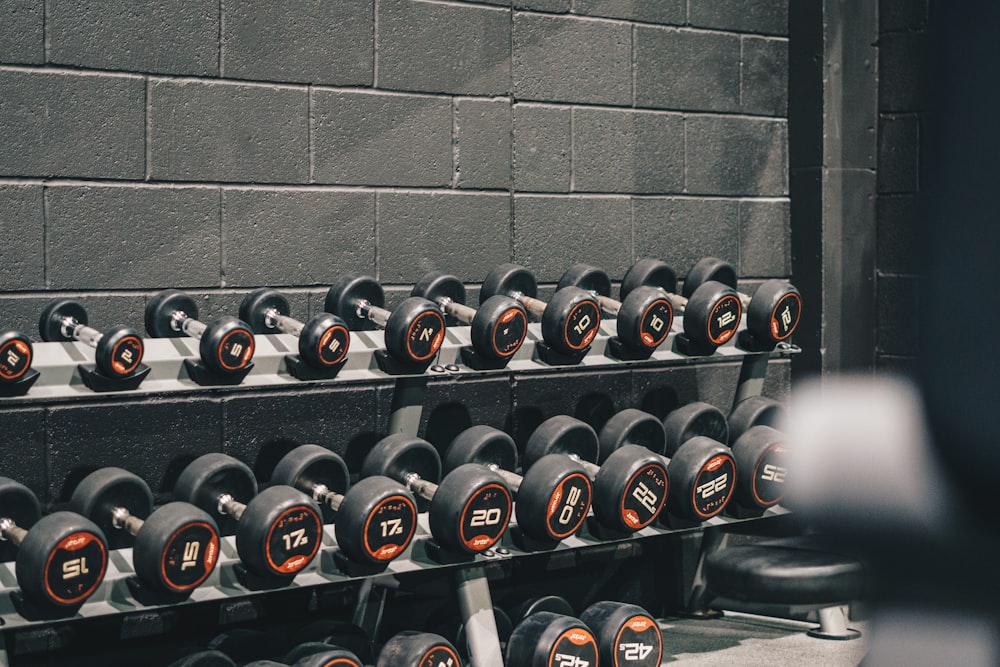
(772, 313)
(176, 546)
(755, 411)
(711, 313)
(547, 639)
(553, 496)
(204, 658)
(643, 317)
(630, 485)
(702, 467)
(226, 343)
(414, 330)
(317, 654)
(118, 351)
(61, 558)
(278, 531)
(570, 320)
(323, 339)
(375, 519)
(627, 636)
(469, 509)
(16, 353)
(418, 649)
(498, 326)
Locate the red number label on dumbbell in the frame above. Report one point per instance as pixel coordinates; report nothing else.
(724, 319)
(333, 345)
(574, 648)
(714, 486)
(655, 323)
(75, 568)
(190, 556)
(568, 505)
(425, 336)
(15, 359)
(643, 496)
(126, 355)
(639, 643)
(439, 656)
(294, 540)
(485, 517)
(785, 316)
(769, 477)
(509, 332)
(236, 350)
(582, 325)
(390, 527)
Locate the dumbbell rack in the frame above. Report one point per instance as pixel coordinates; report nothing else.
(60, 382)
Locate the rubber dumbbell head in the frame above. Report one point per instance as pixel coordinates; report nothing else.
(375, 519)
(702, 479)
(323, 339)
(631, 427)
(761, 456)
(545, 639)
(418, 649)
(564, 435)
(648, 272)
(16, 353)
(117, 352)
(322, 655)
(693, 419)
(176, 547)
(755, 411)
(627, 636)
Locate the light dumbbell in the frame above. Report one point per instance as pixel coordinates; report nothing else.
(61, 559)
(468, 510)
(414, 330)
(118, 351)
(498, 327)
(552, 497)
(375, 519)
(323, 339)
(16, 354)
(226, 344)
(418, 649)
(278, 531)
(644, 317)
(570, 320)
(772, 313)
(627, 636)
(176, 547)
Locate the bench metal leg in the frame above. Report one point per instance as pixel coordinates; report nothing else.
(833, 624)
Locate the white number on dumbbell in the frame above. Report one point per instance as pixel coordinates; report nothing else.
(127, 356)
(190, 555)
(392, 527)
(656, 324)
(717, 485)
(427, 334)
(567, 511)
(334, 345)
(726, 318)
(236, 350)
(296, 538)
(74, 568)
(582, 326)
(564, 660)
(786, 316)
(646, 497)
(773, 473)
(486, 517)
(635, 650)
(450, 662)
(12, 358)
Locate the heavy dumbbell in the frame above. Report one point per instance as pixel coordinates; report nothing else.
(323, 339)
(414, 330)
(570, 320)
(627, 636)
(176, 546)
(469, 510)
(226, 344)
(644, 316)
(375, 519)
(418, 649)
(772, 313)
(553, 496)
(16, 353)
(498, 326)
(118, 351)
(278, 531)
(755, 411)
(702, 467)
(61, 559)
(630, 486)
(547, 639)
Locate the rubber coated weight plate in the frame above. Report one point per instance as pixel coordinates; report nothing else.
(376, 520)
(586, 277)
(415, 330)
(499, 327)
(706, 269)
(418, 649)
(507, 279)
(398, 455)
(227, 345)
(99, 493)
(256, 304)
(324, 340)
(62, 560)
(630, 489)
(470, 510)
(19, 504)
(279, 533)
(210, 476)
(437, 284)
(309, 466)
(342, 299)
(627, 636)
(331, 657)
(649, 273)
(645, 318)
(545, 639)
(119, 351)
(484, 445)
(631, 427)
(712, 314)
(16, 353)
(161, 308)
(571, 320)
(693, 419)
(176, 549)
(561, 434)
(761, 466)
(50, 322)
(774, 311)
(554, 498)
(702, 479)
(755, 411)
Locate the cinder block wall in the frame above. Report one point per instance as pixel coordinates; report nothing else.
(219, 146)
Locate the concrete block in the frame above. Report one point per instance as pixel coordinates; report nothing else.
(736, 156)
(483, 139)
(681, 69)
(541, 154)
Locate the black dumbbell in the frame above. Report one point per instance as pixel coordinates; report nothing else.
(643, 317)
(711, 313)
(626, 634)
(498, 326)
(630, 485)
(176, 546)
(317, 654)
(570, 320)
(414, 330)
(470, 508)
(203, 658)
(226, 343)
(61, 559)
(323, 339)
(375, 519)
(546, 639)
(16, 353)
(418, 649)
(755, 411)
(553, 497)
(278, 531)
(118, 351)
(702, 470)
(772, 313)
